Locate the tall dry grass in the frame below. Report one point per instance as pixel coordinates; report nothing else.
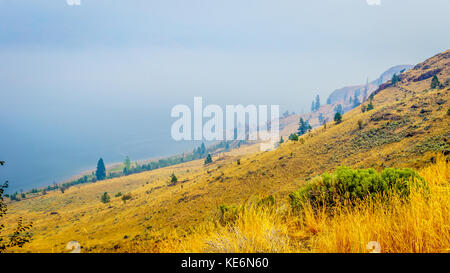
(419, 225)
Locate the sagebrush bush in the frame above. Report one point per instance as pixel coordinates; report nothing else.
(347, 185)
(228, 213)
(267, 201)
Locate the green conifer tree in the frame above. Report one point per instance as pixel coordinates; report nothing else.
(100, 173)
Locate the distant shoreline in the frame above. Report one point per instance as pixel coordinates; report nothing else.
(111, 166)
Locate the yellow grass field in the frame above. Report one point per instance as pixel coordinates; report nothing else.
(419, 226)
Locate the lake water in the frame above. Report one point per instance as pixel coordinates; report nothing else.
(43, 143)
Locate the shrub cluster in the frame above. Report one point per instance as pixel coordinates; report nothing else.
(347, 185)
(228, 213)
(268, 201)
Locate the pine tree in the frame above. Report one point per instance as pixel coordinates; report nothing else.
(127, 165)
(338, 118)
(281, 140)
(435, 82)
(370, 105)
(202, 149)
(313, 106)
(208, 159)
(320, 118)
(356, 102)
(339, 109)
(293, 137)
(395, 79)
(317, 102)
(100, 173)
(303, 127)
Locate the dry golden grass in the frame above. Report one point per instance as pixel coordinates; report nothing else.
(421, 225)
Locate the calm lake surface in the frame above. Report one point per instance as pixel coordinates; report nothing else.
(43, 143)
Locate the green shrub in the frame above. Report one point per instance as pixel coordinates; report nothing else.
(173, 180)
(370, 106)
(293, 137)
(105, 198)
(228, 213)
(267, 201)
(126, 197)
(360, 124)
(351, 185)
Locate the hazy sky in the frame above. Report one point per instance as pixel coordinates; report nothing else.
(224, 50)
(107, 72)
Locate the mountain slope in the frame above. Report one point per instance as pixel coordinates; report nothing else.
(346, 97)
(408, 126)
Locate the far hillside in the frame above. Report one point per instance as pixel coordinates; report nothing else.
(346, 98)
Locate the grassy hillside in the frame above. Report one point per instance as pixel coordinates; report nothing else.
(407, 127)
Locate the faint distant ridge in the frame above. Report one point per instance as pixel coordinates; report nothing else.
(387, 75)
(347, 98)
(342, 95)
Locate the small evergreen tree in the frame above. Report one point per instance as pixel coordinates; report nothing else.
(208, 159)
(317, 102)
(395, 79)
(370, 105)
(100, 173)
(281, 140)
(313, 106)
(127, 165)
(203, 149)
(293, 137)
(303, 127)
(339, 109)
(105, 198)
(435, 82)
(320, 118)
(173, 179)
(338, 118)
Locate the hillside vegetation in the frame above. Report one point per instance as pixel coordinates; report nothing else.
(408, 126)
